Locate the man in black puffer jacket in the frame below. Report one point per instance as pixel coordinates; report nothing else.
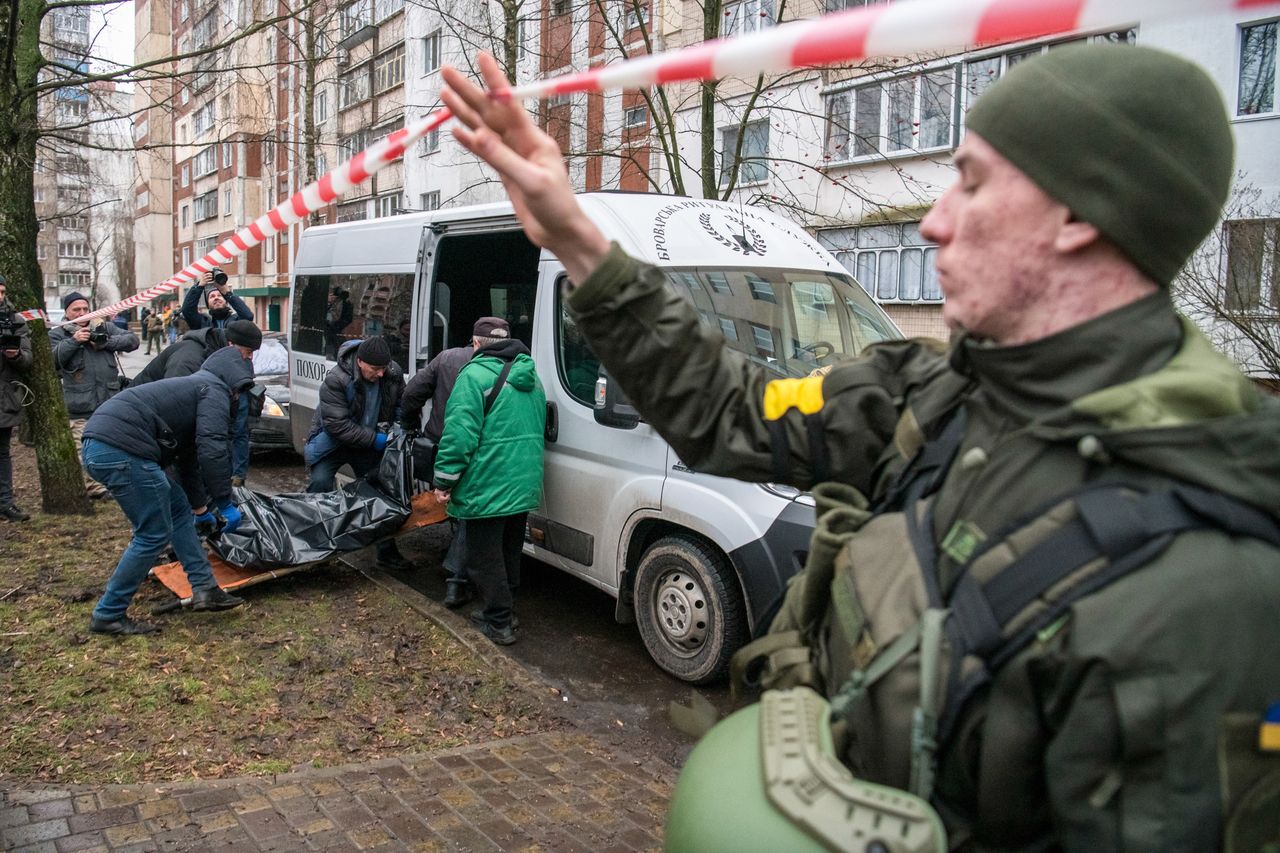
(130, 440)
(183, 358)
(359, 400)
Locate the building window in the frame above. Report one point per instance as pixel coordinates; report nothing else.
(388, 69)
(184, 96)
(522, 38)
(354, 16)
(186, 219)
(322, 105)
(559, 7)
(386, 205)
(384, 9)
(353, 87)
(184, 10)
(186, 257)
(762, 336)
(269, 250)
(747, 16)
(73, 279)
(141, 200)
(429, 201)
(1253, 266)
(636, 116)
(840, 5)
(73, 250)
(228, 152)
(205, 206)
(911, 113)
(205, 162)
(39, 191)
(322, 165)
(205, 245)
(350, 146)
(431, 142)
(353, 210)
(268, 151)
(893, 263)
(226, 202)
(1257, 93)
(751, 162)
(636, 20)
(140, 129)
(204, 118)
(431, 52)
(761, 289)
(41, 252)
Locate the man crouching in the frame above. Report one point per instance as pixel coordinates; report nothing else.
(128, 443)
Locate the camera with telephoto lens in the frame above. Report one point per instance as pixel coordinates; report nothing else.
(219, 277)
(9, 329)
(98, 335)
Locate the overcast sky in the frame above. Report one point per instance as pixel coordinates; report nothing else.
(115, 42)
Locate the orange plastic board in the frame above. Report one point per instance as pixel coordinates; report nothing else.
(425, 510)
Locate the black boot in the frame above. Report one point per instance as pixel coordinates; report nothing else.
(12, 513)
(124, 627)
(457, 593)
(214, 598)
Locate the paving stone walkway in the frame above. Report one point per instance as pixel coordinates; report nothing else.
(550, 792)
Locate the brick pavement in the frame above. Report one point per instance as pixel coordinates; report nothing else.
(560, 791)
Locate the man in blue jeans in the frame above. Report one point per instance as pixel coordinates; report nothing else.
(131, 439)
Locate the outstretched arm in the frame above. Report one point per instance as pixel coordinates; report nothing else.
(498, 130)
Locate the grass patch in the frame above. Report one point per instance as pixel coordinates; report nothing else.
(319, 668)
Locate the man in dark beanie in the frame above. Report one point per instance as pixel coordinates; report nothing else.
(87, 357)
(359, 401)
(224, 306)
(1042, 591)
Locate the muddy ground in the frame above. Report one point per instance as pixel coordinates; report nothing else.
(318, 668)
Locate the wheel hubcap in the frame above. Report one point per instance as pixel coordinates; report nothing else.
(680, 606)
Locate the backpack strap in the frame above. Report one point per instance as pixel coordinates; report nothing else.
(1126, 530)
(491, 395)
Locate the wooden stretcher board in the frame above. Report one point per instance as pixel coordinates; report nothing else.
(425, 510)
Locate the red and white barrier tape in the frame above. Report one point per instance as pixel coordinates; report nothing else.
(895, 29)
(33, 314)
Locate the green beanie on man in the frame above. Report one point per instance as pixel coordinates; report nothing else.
(1134, 140)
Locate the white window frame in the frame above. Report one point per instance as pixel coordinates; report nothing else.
(1263, 293)
(637, 116)
(728, 141)
(388, 69)
(747, 16)
(322, 105)
(205, 162)
(634, 21)
(429, 200)
(1243, 110)
(864, 251)
(431, 52)
(226, 201)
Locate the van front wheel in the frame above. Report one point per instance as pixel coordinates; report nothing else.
(689, 608)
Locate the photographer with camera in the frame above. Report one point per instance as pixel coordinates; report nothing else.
(15, 361)
(86, 356)
(224, 306)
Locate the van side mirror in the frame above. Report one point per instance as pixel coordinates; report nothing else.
(612, 408)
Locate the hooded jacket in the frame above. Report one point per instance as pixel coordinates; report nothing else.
(1104, 733)
(343, 420)
(14, 370)
(492, 465)
(186, 421)
(184, 357)
(196, 319)
(90, 376)
(435, 383)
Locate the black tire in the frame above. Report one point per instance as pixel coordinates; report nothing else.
(689, 608)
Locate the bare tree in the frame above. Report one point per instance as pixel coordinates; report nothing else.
(1231, 285)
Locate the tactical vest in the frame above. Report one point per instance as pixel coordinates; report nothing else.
(900, 658)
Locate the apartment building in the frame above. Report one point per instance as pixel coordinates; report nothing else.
(83, 173)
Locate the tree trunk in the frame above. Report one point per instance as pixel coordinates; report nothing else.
(711, 15)
(61, 484)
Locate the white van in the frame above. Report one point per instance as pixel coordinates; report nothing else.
(697, 561)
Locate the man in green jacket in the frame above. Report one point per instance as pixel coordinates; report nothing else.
(1086, 179)
(489, 466)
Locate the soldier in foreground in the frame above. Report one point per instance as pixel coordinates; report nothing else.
(1126, 719)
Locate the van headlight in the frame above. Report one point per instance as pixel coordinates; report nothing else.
(789, 493)
(271, 408)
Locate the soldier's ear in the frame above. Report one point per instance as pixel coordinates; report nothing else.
(1075, 235)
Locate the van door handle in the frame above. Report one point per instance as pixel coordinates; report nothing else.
(552, 429)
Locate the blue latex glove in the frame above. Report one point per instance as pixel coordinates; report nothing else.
(206, 523)
(380, 441)
(232, 516)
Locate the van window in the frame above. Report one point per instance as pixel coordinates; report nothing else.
(330, 310)
(480, 275)
(575, 362)
(791, 321)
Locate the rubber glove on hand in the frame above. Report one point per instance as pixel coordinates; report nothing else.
(380, 441)
(206, 523)
(232, 516)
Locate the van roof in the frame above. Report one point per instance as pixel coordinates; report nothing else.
(661, 229)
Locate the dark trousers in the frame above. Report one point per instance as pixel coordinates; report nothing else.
(492, 556)
(6, 468)
(323, 478)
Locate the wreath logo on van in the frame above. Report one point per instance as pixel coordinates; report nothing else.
(741, 237)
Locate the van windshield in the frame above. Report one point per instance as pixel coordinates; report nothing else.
(791, 321)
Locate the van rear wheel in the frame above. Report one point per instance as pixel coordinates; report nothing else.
(689, 608)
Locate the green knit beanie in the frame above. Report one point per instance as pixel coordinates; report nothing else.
(1134, 140)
